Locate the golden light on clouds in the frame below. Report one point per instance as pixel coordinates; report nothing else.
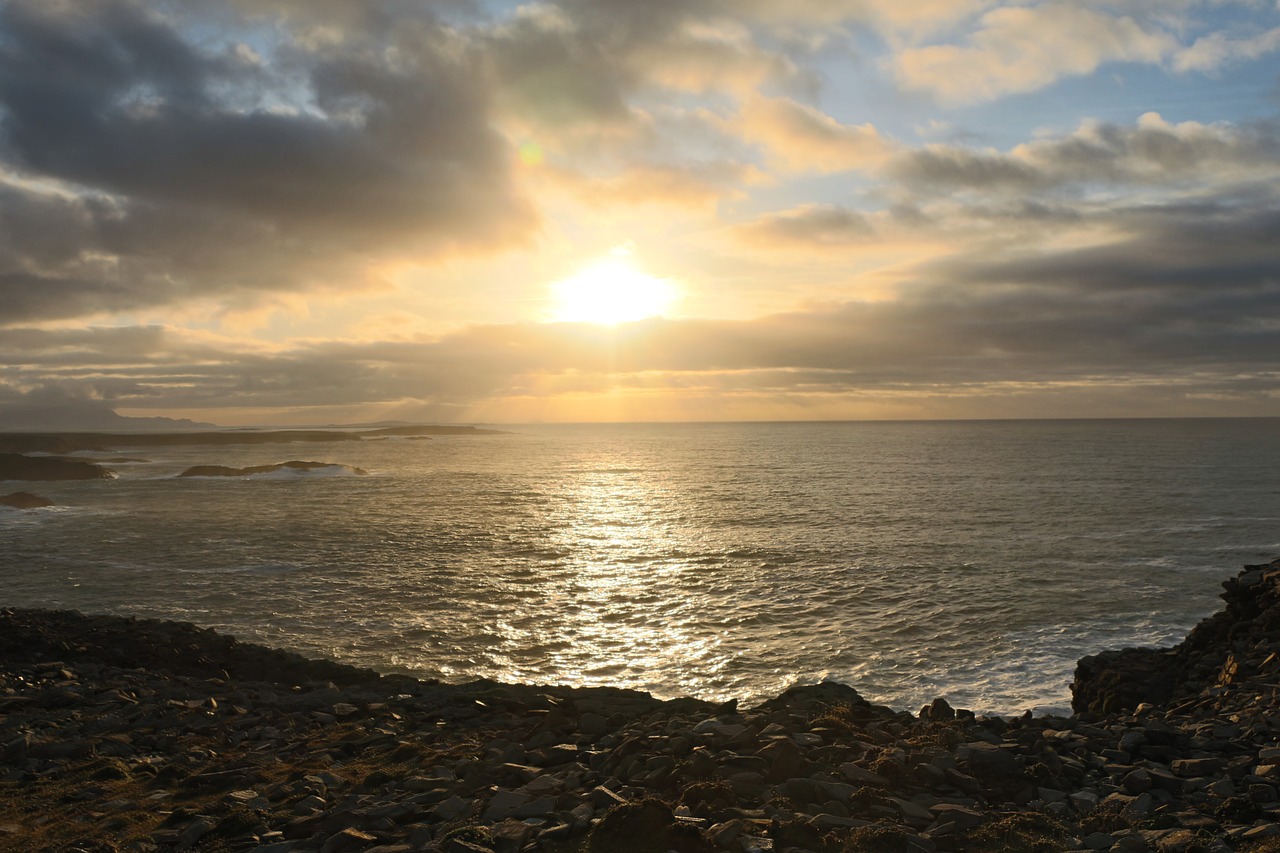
(839, 206)
(612, 291)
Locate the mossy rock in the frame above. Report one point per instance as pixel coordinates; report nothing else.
(1021, 832)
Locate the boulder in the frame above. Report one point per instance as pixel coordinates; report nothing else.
(24, 500)
(1117, 681)
(647, 826)
(1225, 649)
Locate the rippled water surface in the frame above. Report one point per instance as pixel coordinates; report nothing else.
(975, 560)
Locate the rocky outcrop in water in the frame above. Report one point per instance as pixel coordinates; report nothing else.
(15, 466)
(1236, 644)
(124, 734)
(24, 500)
(302, 467)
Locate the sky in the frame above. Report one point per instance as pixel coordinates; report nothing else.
(335, 211)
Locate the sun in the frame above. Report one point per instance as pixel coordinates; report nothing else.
(611, 291)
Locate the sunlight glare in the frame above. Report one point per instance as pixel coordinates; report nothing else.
(612, 291)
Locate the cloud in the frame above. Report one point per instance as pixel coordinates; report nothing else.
(695, 185)
(1022, 49)
(210, 175)
(800, 138)
(718, 55)
(808, 225)
(1151, 152)
(1211, 52)
(1085, 185)
(891, 17)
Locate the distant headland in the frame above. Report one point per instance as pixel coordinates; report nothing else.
(73, 442)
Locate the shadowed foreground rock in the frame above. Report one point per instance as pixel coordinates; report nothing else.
(125, 734)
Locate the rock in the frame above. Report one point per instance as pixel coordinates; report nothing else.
(505, 804)
(24, 500)
(1188, 767)
(860, 775)
(1132, 843)
(555, 755)
(795, 834)
(801, 791)
(1218, 656)
(963, 817)
(346, 841)
(461, 845)
(452, 809)
(294, 466)
(15, 466)
(17, 749)
(510, 836)
(1118, 681)
(938, 711)
(1136, 781)
(911, 811)
(1132, 741)
(1084, 801)
(647, 826)
(1163, 780)
(194, 832)
(593, 724)
(724, 834)
(309, 805)
(991, 762)
(785, 759)
(1178, 841)
(603, 798)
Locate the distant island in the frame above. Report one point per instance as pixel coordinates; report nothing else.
(72, 442)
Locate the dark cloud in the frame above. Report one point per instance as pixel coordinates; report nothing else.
(808, 225)
(941, 167)
(557, 73)
(1150, 152)
(1175, 253)
(187, 170)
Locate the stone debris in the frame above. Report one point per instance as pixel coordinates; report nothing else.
(143, 736)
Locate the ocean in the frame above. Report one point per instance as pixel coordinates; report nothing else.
(976, 560)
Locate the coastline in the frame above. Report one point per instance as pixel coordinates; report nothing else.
(141, 735)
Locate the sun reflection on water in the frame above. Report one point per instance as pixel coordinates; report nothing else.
(619, 604)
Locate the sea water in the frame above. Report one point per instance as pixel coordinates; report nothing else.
(972, 560)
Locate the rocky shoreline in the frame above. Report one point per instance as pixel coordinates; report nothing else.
(121, 734)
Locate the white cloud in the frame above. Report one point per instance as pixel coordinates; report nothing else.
(1211, 52)
(1021, 49)
(800, 138)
